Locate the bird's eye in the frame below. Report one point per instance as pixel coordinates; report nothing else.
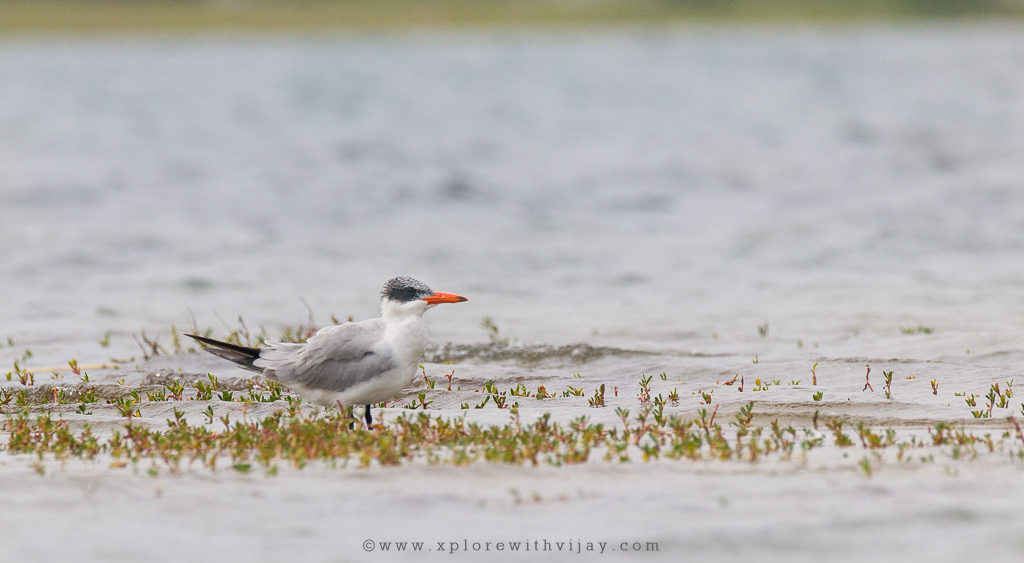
(405, 290)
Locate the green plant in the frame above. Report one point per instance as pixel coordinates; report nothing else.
(645, 389)
(126, 405)
(493, 333)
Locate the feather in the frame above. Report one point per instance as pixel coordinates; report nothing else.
(241, 355)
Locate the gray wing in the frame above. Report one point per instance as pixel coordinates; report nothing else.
(334, 359)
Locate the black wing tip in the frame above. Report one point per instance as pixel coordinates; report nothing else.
(245, 353)
(204, 340)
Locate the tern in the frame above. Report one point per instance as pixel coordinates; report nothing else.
(355, 363)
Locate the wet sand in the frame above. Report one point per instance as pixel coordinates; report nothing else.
(921, 505)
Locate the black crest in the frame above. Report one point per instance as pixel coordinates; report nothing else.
(405, 289)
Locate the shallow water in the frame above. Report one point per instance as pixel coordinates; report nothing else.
(662, 197)
(617, 186)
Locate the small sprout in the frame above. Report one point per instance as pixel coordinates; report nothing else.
(762, 329)
(817, 396)
(204, 391)
(175, 388)
(888, 384)
(935, 387)
(865, 466)
(493, 333)
(814, 376)
(422, 404)
(1020, 433)
(841, 439)
(571, 391)
(645, 389)
(126, 405)
(622, 413)
(25, 377)
(867, 380)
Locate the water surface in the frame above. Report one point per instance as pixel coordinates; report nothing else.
(698, 202)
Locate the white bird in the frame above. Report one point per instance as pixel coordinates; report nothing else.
(352, 363)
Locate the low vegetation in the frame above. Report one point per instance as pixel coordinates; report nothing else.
(173, 421)
(106, 16)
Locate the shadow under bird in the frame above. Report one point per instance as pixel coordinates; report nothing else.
(355, 363)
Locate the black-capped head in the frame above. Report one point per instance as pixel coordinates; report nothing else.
(405, 289)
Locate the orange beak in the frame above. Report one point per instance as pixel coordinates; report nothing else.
(439, 297)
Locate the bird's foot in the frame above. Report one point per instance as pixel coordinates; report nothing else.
(347, 413)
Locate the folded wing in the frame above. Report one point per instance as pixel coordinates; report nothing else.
(334, 359)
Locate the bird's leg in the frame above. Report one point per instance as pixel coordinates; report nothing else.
(369, 419)
(345, 412)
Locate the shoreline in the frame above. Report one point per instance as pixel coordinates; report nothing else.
(110, 17)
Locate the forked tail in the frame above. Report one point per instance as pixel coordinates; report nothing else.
(241, 355)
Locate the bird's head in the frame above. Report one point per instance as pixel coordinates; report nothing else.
(405, 295)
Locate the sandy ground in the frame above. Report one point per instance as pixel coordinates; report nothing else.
(690, 511)
(814, 507)
(750, 200)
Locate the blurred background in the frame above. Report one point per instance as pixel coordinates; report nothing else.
(648, 174)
